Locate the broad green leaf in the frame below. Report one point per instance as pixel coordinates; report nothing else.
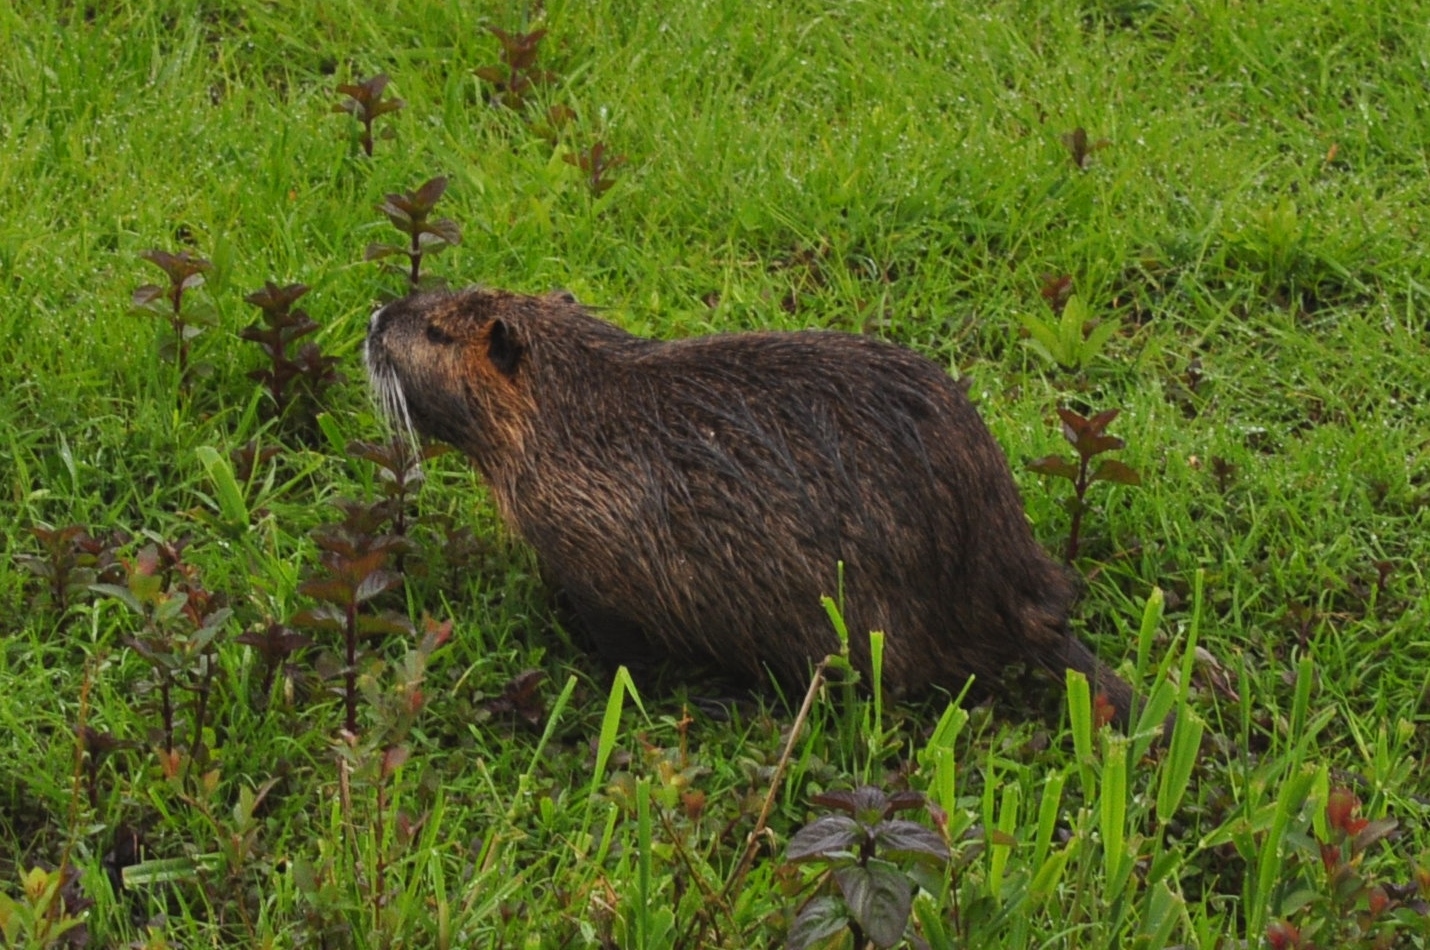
(220, 472)
(1097, 339)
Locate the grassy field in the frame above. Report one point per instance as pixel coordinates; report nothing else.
(1208, 216)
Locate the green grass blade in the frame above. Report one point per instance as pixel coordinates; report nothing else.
(232, 507)
(1112, 807)
(1176, 771)
(1079, 700)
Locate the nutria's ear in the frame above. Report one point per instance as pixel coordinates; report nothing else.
(503, 348)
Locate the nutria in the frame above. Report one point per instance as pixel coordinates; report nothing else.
(698, 496)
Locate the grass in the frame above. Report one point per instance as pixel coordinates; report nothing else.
(1254, 224)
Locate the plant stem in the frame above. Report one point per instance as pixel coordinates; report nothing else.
(380, 868)
(177, 321)
(350, 671)
(752, 841)
(167, 712)
(1079, 491)
(201, 703)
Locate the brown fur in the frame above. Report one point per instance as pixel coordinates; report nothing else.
(699, 495)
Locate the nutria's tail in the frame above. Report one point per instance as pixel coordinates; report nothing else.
(1102, 680)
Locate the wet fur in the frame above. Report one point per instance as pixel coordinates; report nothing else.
(698, 495)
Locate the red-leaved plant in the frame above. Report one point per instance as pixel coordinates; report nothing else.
(364, 102)
(185, 272)
(1088, 436)
(411, 213)
(517, 76)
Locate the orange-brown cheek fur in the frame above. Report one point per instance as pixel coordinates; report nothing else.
(506, 406)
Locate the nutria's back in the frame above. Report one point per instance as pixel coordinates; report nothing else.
(700, 495)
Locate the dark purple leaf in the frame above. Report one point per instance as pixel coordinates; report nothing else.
(100, 744)
(392, 759)
(1089, 446)
(446, 229)
(1056, 290)
(274, 642)
(518, 50)
(820, 919)
(384, 107)
(1054, 465)
(273, 297)
(358, 569)
(179, 267)
(1373, 831)
(385, 624)
(825, 837)
(1080, 148)
(1072, 422)
(319, 618)
(908, 839)
(430, 193)
(400, 210)
(377, 251)
(429, 243)
(366, 92)
(333, 590)
(378, 582)
(880, 897)
(1111, 470)
(521, 696)
(906, 800)
(1099, 422)
(147, 294)
(843, 799)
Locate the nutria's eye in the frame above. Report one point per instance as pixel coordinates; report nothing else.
(436, 334)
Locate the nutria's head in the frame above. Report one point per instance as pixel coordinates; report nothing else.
(475, 367)
(450, 366)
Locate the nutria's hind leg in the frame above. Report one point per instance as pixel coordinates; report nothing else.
(617, 639)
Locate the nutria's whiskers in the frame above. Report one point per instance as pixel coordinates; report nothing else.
(389, 398)
(394, 407)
